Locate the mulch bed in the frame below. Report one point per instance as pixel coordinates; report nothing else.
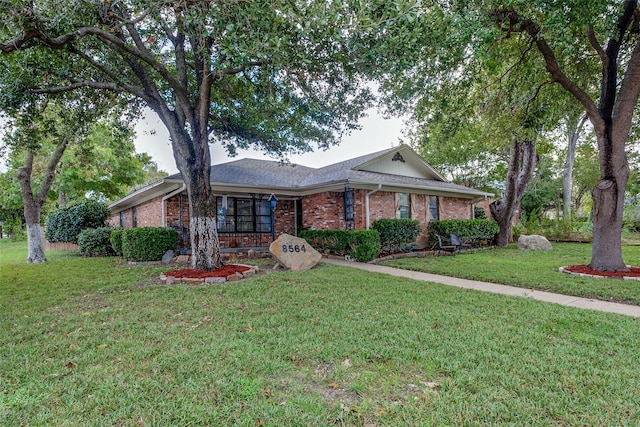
(583, 269)
(224, 271)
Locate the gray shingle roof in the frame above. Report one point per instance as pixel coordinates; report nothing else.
(274, 174)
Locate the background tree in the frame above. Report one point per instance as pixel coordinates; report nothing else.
(95, 158)
(104, 166)
(540, 45)
(272, 74)
(34, 124)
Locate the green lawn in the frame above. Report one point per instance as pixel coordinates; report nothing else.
(534, 270)
(94, 342)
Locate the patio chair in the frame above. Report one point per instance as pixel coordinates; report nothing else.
(455, 241)
(445, 247)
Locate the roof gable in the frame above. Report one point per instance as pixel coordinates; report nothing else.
(402, 161)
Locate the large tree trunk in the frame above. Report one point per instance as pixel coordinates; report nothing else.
(522, 163)
(573, 135)
(33, 204)
(205, 245)
(193, 159)
(608, 205)
(35, 242)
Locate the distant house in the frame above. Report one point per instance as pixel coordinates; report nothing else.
(393, 183)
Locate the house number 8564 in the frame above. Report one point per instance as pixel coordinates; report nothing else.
(292, 248)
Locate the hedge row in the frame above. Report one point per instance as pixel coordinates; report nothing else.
(363, 245)
(479, 230)
(144, 243)
(396, 233)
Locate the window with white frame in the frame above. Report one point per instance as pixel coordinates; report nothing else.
(433, 208)
(404, 205)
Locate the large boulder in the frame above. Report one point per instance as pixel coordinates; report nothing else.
(534, 242)
(294, 253)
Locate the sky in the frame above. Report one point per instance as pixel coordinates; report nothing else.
(376, 134)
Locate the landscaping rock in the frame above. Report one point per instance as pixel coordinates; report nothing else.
(167, 257)
(234, 277)
(183, 258)
(192, 281)
(294, 253)
(170, 280)
(215, 280)
(534, 242)
(248, 273)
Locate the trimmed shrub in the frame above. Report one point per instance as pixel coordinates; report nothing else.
(65, 225)
(363, 245)
(366, 246)
(116, 240)
(335, 242)
(95, 242)
(480, 231)
(148, 243)
(395, 233)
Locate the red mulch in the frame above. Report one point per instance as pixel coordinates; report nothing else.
(224, 271)
(633, 271)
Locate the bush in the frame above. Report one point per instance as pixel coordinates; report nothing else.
(116, 240)
(396, 233)
(363, 245)
(478, 230)
(631, 218)
(95, 242)
(65, 225)
(479, 213)
(148, 243)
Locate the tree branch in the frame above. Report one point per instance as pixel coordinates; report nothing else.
(591, 35)
(519, 24)
(50, 172)
(77, 85)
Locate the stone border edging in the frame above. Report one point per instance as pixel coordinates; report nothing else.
(170, 280)
(595, 276)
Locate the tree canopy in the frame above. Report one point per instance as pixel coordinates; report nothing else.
(274, 74)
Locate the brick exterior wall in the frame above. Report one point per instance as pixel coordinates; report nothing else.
(322, 211)
(149, 214)
(484, 205)
(325, 211)
(455, 208)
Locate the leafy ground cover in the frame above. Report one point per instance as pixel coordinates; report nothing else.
(96, 342)
(534, 270)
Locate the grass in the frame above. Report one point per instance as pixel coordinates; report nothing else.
(93, 342)
(533, 269)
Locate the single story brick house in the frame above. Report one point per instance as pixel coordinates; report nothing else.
(393, 183)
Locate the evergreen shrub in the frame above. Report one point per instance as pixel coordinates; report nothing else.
(65, 225)
(148, 243)
(116, 240)
(480, 231)
(396, 232)
(95, 242)
(363, 245)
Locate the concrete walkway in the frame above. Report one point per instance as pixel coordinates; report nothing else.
(566, 300)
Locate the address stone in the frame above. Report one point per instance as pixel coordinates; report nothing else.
(294, 253)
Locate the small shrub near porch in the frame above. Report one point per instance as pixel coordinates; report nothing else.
(363, 245)
(396, 232)
(148, 243)
(95, 242)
